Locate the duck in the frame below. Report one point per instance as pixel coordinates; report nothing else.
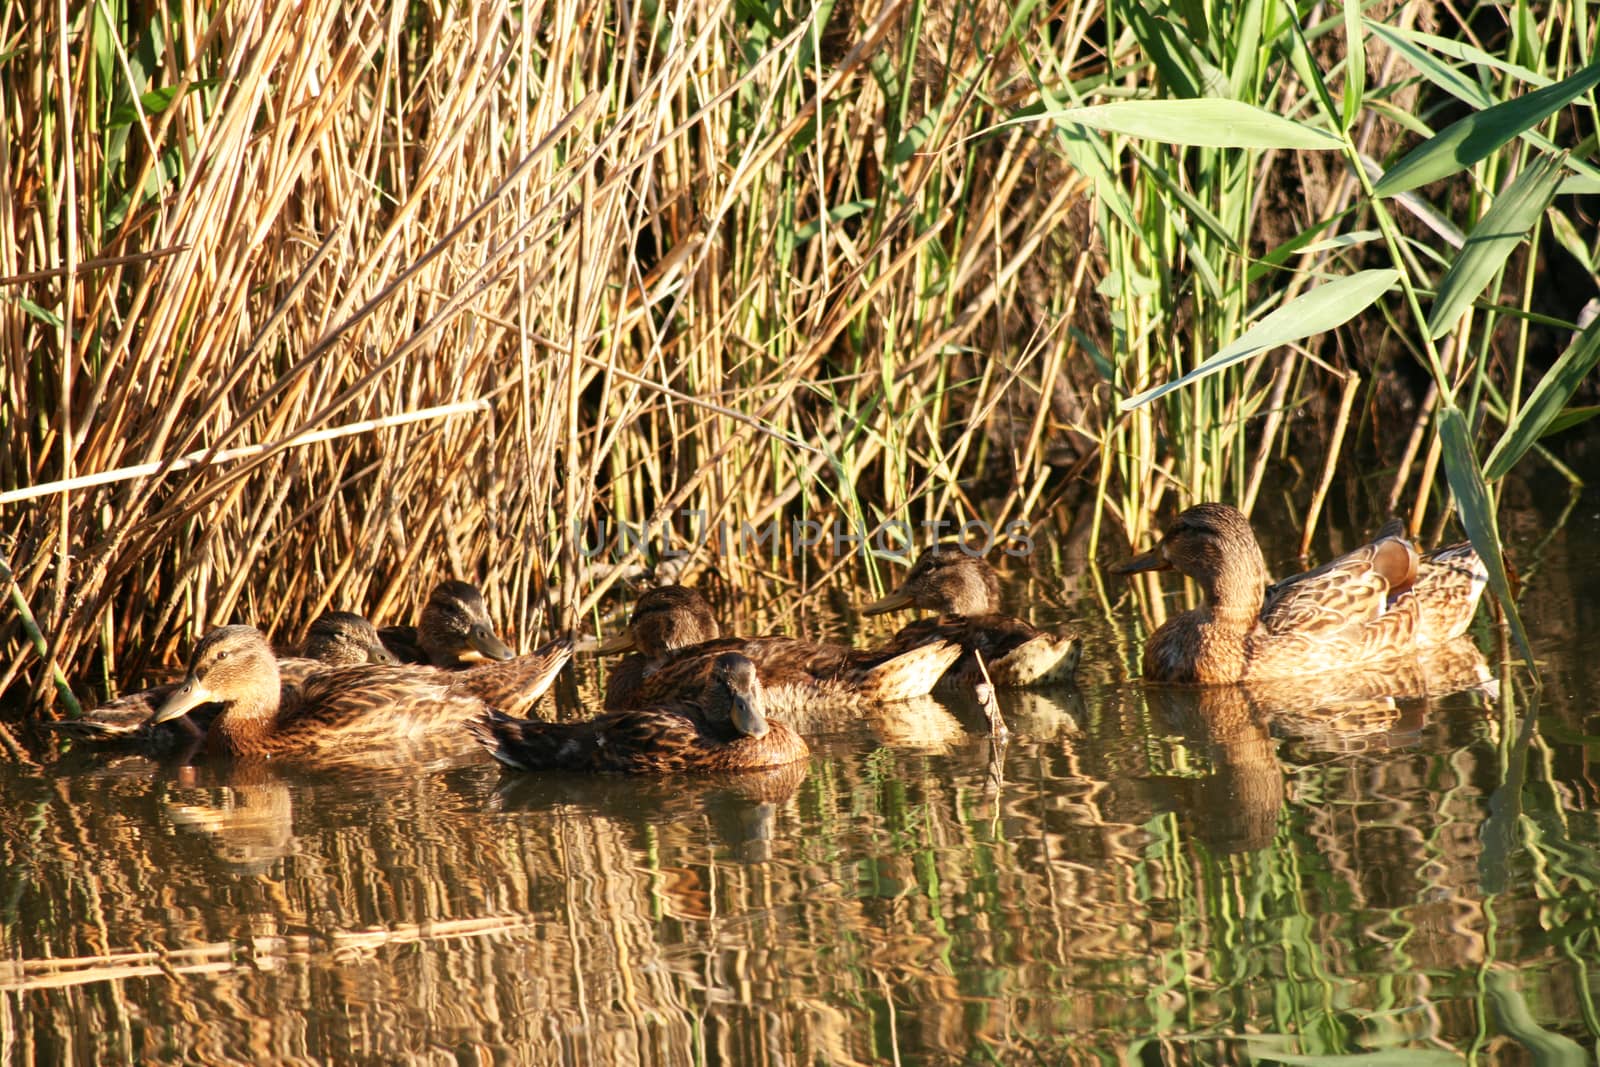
(1381, 601)
(963, 588)
(453, 631)
(675, 640)
(334, 639)
(342, 713)
(722, 729)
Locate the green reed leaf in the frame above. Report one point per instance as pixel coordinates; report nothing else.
(1562, 229)
(1501, 229)
(1208, 123)
(1464, 142)
(1316, 311)
(1278, 1048)
(1427, 43)
(1569, 418)
(37, 311)
(1547, 1048)
(1477, 515)
(1546, 402)
(1355, 66)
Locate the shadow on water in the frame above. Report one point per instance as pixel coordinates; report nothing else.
(1401, 861)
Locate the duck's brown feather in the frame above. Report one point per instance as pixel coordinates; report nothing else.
(671, 740)
(795, 673)
(333, 639)
(1379, 602)
(965, 590)
(723, 728)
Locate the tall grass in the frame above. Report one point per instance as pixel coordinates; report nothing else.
(756, 261)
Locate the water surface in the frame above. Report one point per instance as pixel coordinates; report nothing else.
(1138, 875)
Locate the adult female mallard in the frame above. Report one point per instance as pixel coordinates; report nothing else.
(454, 630)
(334, 639)
(358, 712)
(676, 637)
(1383, 600)
(725, 728)
(965, 591)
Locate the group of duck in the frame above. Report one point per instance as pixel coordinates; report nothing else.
(685, 699)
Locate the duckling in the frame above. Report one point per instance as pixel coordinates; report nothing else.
(725, 728)
(1380, 601)
(676, 634)
(454, 630)
(965, 590)
(341, 712)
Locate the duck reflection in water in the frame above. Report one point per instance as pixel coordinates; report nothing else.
(246, 814)
(1236, 729)
(742, 809)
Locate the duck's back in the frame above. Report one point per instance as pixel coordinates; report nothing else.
(1449, 582)
(784, 664)
(644, 741)
(404, 643)
(796, 673)
(1015, 653)
(993, 636)
(357, 712)
(1356, 588)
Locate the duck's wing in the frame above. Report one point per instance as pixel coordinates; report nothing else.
(797, 673)
(907, 674)
(1449, 582)
(663, 740)
(369, 704)
(1015, 654)
(515, 685)
(681, 675)
(648, 740)
(1352, 590)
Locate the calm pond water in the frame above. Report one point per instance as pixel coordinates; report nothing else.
(1139, 876)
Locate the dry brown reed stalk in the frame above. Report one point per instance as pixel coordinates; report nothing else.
(680, 272)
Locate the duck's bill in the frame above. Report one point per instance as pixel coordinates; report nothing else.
(614, 644)
(184, 699)
(747, 718)
(893, 602)
(1152, 560)
(487, 645)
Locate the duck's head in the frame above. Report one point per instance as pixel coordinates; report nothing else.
(734, 695)
(456, 628)
(1211, 543)
(673, 616)
(230, 664)
(341, 638)
(947, 579)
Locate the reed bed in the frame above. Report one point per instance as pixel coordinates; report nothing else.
(322, 301)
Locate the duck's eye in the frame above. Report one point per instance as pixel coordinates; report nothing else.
(221, 656)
